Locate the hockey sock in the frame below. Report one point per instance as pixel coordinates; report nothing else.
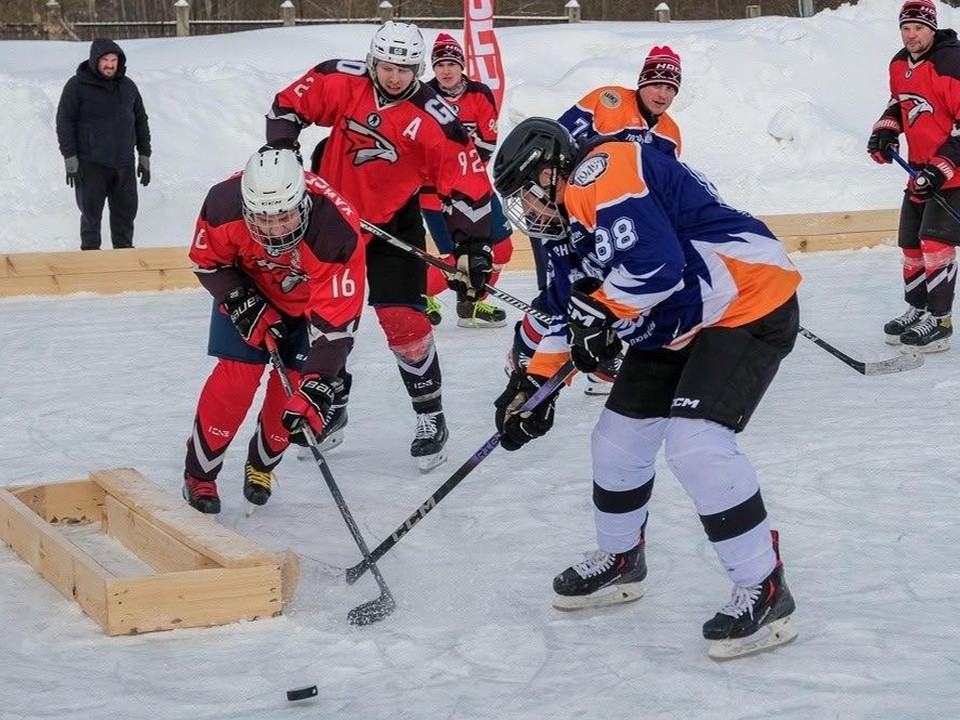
(270, 438)
(914, 279)
(940, 267)
(410, 338)
(224, 401)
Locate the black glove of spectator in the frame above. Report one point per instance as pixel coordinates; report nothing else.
(475, 263)
(143, 170)
(252, 315)
(72, 165)
(930, 179)
(590, 332)
(515, 429)
(311, 403)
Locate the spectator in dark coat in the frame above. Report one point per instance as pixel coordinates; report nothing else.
(100, 120)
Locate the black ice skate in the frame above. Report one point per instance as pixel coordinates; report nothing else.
(931, 334)
(257, 484)
(427, 446)
(600, 381)
(899, 325)
(201, 494)
(480, 314)
(757, 618)
(602, 579)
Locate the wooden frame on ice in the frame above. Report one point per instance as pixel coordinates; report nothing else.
(205, 574)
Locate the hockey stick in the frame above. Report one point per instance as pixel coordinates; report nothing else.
(452, 269)
(354, 573)
(373, 610)
(881, 367)
(941, 200)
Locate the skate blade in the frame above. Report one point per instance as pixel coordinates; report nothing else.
(777, 633)
(615, 595)
(935, 346)
(335, 440)
(480, 324)
(426, 463)
(249, 508)
(598, 388)
(892, 339)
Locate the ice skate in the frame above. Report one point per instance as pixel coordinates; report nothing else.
(480, 315)
(930, 334)
(433, 310)
(201, 494)
(600, 382)
(899, 325)
(601, 579)
(257, 484)
(427, 446)
(757, 618)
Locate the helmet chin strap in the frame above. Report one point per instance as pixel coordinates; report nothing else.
(383, 97)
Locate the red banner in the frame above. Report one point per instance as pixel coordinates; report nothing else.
(481, 48)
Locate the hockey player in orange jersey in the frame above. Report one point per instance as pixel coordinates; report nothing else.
(703, 296)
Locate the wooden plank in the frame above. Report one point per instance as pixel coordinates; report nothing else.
(195, 598)
(833, 223)
(158, 549)
(846, 241)
(75, 574)
(93, 262)
(105, 283)
(197, 531)
(73, 502)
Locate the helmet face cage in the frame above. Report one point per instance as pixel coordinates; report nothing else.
(276, 205)
(400, 44)
(533, 211)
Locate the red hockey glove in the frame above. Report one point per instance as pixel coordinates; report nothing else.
(252, 315)
(930, 179)
(311, 403)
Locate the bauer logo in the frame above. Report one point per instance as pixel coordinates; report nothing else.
(590, 170)
(681, 402)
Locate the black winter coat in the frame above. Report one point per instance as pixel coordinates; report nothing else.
(101, 120)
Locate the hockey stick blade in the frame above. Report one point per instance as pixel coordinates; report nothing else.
(372, 611)
(882, 367)
(893, 365)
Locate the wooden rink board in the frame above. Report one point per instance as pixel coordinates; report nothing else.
(205, 573)
(169, 268)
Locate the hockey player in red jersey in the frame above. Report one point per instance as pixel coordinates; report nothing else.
(924, 106)
(635, 115)
(474, 104)
(390, 135)
(704, 298)
(282, 254)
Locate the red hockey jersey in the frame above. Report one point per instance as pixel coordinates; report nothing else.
(323, 278)
(379, 156)
(925, 101)
(476, 108)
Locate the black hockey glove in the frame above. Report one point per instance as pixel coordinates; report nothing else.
(285, 144)
(516, 429)
(311, 403)
(884, 136)
(72, 166)
(143, 170)
(930, 179)
(590, 332)
(475, 263)
(252, 315)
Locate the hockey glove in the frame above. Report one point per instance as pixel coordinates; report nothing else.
(311, 403)
(72, 166)
(516, 429)
(252, 315)
(475, 263)
(930, 179)
(285, 144)
(590, 332)
(143, 170)
(884, 137)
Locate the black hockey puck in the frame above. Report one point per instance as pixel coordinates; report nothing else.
(302, 693)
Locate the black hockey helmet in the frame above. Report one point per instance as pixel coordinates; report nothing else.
(529, 196)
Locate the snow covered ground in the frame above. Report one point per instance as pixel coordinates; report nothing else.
(859, 474)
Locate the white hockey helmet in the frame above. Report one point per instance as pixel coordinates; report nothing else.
(276, 204)
(398, 43)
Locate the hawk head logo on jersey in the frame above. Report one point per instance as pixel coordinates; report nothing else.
(367, 144)
(292, 276)
(916, 105)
